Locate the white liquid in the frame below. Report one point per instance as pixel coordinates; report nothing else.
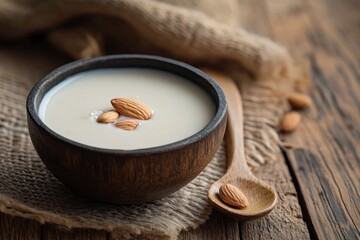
(181, 108)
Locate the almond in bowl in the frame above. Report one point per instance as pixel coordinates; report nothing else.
(163, 108)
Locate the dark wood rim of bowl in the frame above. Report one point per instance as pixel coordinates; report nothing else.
(130, 60)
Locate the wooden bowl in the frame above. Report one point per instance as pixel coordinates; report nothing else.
(126, 176)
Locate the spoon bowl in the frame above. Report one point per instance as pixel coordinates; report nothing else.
(261, 197)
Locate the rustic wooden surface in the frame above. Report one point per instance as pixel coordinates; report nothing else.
(318, 185)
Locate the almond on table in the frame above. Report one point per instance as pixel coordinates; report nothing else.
(299, 101)
(290, 121)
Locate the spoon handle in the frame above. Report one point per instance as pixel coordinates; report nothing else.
(234, 134)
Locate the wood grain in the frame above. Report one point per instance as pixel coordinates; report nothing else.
(218, 227)
(52, 232)
(18, 228)
(328, 168)
(286, 220)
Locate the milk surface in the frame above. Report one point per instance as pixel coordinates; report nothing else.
(181, 108)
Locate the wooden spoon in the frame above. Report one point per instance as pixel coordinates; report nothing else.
(262, 197)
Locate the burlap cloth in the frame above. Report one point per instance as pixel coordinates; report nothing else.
(199, 32)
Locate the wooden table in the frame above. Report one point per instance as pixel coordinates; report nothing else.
(318, 184)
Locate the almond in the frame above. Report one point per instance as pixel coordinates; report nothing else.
(108, 117)
(132, 108)
(233, 196)
(299, 101)
(127, 125)
(290, 121)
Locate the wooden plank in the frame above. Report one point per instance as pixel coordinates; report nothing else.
(286, 220)
(218, 227)
(342, 18)
(52, 232)
(328, 169)
(18, 228)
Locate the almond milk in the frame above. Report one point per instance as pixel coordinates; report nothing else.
(180, 107)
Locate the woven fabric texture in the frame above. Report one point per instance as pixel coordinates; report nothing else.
(200, 32)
